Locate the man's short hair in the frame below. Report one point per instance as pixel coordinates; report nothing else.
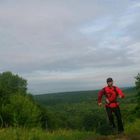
(109, 80)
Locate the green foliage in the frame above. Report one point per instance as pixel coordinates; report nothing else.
(20, 111)
(17, 108)
(93, 120)
(97, 121)
(76, 113)
(66, 97)
(137, 83)
(133, 128)
(11, 84)
(73, 110)
(84, 114)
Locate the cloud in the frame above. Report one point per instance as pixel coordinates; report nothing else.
(70, 45)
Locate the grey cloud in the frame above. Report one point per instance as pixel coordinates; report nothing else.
(66, 36)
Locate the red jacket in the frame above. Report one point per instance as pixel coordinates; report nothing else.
(111, 93)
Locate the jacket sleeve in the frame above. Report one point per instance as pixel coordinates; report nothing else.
(119, 91)
(100, 94)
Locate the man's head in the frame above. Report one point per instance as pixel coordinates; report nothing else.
(109, 81)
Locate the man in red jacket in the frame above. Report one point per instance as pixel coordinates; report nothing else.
(111, 93)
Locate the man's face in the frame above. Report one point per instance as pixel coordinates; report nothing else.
(110, 84)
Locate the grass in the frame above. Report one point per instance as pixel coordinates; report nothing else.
(132, 132)
(39, 134)
(133, 128)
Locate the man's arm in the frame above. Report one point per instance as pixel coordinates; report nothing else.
(119, 91)
(100, 94)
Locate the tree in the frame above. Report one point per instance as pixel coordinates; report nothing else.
(17, 108)
(137, 83)
(11, 84)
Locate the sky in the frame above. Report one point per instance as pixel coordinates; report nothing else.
(70, 45)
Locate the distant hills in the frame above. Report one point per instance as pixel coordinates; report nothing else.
(72, 97)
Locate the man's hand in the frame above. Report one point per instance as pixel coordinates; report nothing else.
(107, 101)
(120, 96)
(100, 104)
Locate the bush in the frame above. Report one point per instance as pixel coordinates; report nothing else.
(20, 111)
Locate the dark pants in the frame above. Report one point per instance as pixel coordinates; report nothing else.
(117, 113)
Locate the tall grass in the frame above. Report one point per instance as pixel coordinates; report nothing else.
(39, 134)
(133, 128)
(132, 132)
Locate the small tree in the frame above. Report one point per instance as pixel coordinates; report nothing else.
(11, 84)
(137, 83)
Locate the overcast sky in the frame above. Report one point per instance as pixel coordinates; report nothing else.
(68, 45)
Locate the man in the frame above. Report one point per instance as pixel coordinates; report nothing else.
(112, 106)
